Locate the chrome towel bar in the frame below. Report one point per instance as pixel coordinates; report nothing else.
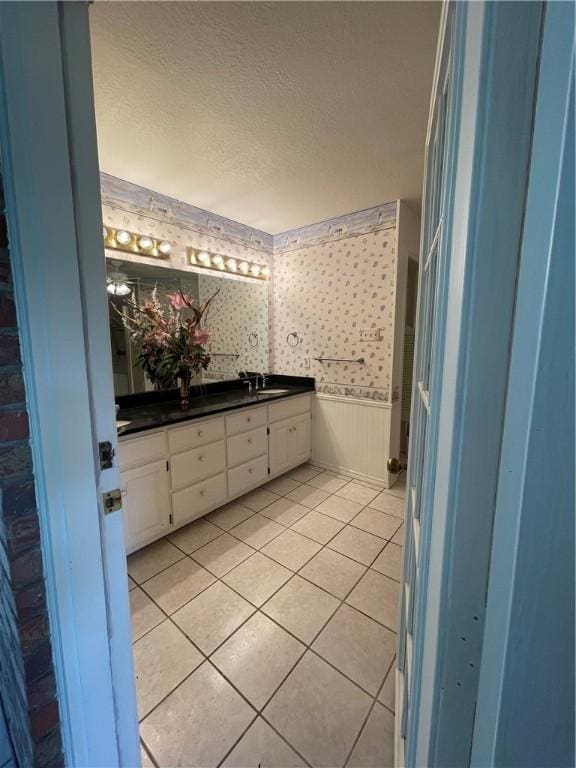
(339, 359)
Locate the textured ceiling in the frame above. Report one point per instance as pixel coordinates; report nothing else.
(275, 114)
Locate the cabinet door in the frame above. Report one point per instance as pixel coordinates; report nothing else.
(146, 504)
(279, 446)
(300, 439)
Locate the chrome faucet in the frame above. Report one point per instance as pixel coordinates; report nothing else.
(264, 378)
(249, 382)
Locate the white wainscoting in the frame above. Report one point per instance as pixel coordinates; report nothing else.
(353, 436)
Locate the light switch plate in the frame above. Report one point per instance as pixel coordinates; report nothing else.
(370, 334)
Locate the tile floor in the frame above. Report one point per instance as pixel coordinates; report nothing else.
(264, 633)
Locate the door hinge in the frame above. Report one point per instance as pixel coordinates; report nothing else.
(112, 501)
(106, 453)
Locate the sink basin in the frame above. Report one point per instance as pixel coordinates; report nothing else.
(272, 391)
(121, 423)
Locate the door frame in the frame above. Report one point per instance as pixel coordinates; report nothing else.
(495, 56)
(49, 156)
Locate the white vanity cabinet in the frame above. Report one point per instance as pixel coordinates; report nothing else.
(174, 475)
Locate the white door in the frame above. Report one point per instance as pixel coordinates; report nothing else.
(146, 504)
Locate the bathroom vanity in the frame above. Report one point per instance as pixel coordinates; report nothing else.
(176, 467)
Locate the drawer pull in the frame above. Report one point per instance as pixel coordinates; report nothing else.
(248, 419)
(200, 432)
(200, 458)
(249, 441)
(250, 470)
(202, 492)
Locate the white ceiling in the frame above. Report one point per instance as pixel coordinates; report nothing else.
(275, 114)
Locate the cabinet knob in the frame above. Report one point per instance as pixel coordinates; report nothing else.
(250, 470)
(202, 492)
(200, 432)
(248, 419)
(200, 458)
(249, 441)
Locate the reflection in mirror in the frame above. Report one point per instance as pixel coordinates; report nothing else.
(237, 320)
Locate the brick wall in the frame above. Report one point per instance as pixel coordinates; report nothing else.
(27, 683)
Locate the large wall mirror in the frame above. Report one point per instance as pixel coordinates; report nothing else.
(237, 320)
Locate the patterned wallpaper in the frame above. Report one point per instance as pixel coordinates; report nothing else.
(329, 281)
(327, 293)
(238, 319)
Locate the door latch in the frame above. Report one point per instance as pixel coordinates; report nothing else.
(112, 501)
(106, 452)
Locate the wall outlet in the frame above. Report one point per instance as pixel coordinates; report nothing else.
(370, 334)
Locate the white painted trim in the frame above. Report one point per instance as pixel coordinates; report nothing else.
(359, 400)
(352, 475)
(42, 232)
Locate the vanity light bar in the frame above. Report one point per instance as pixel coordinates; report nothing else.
(219, 263)
(131, 242)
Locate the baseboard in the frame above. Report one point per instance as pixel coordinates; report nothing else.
(354, 475)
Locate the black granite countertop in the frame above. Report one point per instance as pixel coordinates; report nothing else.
(147, 412)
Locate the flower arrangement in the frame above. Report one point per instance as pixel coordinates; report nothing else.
(171, 340)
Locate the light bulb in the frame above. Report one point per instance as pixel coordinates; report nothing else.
(193, 259)
(165, 247)
(232, 265)
(218, 261)
(244, 267)
(204, 258)
(255, 269)
(146, 243)
(123, 237)
(265, 271)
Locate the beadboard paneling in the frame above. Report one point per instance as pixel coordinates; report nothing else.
(352, 435)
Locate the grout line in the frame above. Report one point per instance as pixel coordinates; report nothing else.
(148, 752)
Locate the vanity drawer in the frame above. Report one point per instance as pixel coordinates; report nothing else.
(246, 476)
(247, 445)
(245, 420)
(141, 450)
(192, 502)
(193, 435)
(189, 467)
(292, 406)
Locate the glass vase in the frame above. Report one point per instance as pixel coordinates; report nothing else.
(185, 389)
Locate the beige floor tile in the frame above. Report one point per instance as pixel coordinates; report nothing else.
(328, 483)
(399, 487)
(261, 746)
(131, 584)
(213, 616)
(228, 516)
(388, 693)
(257, 658)
(145, 759)
(258, 499)
(387, 502)
(291, 549)
(339, 508)
(162, 659)
(144, 614)
(333, 572)
(319, 712)
(378, 523)
(257, 578)
(377, 596)
(370, 484)
(357, 544)
(194, 535)
(308, 496)
(375, 747)
(389, 561)
(356, 492)
(222, 554)
(358, 647)
(301, 608)
(257, 531)
(198, 723)
(282, 485)
(285, 511)
(398, 537)
(318, 527)
(175, 586)
(149, 561)
(303, 474)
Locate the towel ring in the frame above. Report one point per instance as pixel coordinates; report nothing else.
(293, 339)
(253, 339)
